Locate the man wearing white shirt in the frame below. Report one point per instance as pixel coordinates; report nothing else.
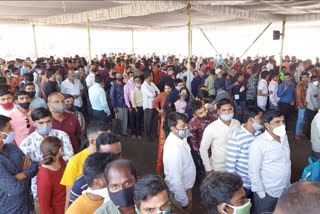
(179, 168)
(270, 65)
(273, 89)
(91, 77)
(269, 163)
(216, 135)
(73, 86)
(149, 92)
(263, 93)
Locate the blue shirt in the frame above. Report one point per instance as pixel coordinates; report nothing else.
(117, 96)
(219, 83)
(78, 187)
(98, 99)
(194, 85)
(238, 153)
(172, 97)
(286, 92)
(20, 199)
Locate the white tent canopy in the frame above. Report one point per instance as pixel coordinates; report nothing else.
(157, 14)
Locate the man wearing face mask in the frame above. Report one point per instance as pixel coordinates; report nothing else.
(219, 82)
(6, 103)
(118, 103)
(73, 86)
(120, 175)
(200, 120)
(173, 95)
(128, 88)
(179, 168)
(313, 102)
(151, 195)
(222, 193)
(20, 117)
(168, 78)
(215, 136)
(269, 164)
(97, 192)
(30, 146)
(287, 95)
(36, 102)
(238, 146)
(90, 79)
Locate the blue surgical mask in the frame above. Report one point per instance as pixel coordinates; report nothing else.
(10, 137)
(44, 130)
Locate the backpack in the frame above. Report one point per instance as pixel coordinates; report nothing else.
(311, 172)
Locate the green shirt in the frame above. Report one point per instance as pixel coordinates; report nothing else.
(107, 208)
(209, 83)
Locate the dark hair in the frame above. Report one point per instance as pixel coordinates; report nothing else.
(167, 108)
(95, 165)
(177, 81)
(195, 105)
(121, 163)
(50, 72)
(130, 72)
(239, 75)
(270, 114)
(67, 96)
(305, 74)
(251, 111)
(147, 74)
(4, 92)
(210, 98)
(49, 148)
(98, 78)
(147, 187)
(264, 74)
(169, 84)
(136, 77)
(19, 93)
(274, 74)
(97, 126)
(313, 77)
(40, 113)
(219, 187)
(106, 139)
(287, 74)
(173, 118)
(202, 94)
(28, 77)
(222, 102)
(255, 69)
(28, 84)
(300, 197)
(212, 71)
(3, 121)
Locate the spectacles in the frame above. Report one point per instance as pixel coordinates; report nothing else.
(27, 122)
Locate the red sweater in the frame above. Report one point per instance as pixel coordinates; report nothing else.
(52, 195)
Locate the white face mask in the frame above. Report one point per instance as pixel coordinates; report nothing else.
(244, 209)
(316, 83)
(280, 131)
(226, 117)
(10, 137)
(257, 126)
(101, 192)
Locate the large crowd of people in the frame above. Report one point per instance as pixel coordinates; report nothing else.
(223, 124)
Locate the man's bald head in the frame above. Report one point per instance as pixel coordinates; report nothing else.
(300, 197)
(56, 95)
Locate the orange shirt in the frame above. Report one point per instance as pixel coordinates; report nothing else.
(155, 72)
(84, 205)
(159, 99)
(120, 68)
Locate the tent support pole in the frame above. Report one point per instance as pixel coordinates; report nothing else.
(256, 40)
(89, 40)
(35, 41)
(214, 48)
(132, 43)
(282, 41)
(189, 46)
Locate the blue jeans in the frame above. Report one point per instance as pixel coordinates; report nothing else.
(300, 120)
(272, 106)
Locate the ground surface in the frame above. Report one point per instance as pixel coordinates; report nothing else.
(144, 155)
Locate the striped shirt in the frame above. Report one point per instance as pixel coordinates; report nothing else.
(238, 153)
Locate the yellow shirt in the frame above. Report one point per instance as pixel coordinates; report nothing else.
(74, 168)
(84, 205)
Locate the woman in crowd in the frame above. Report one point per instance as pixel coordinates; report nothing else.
(52, 195)
(183, 99)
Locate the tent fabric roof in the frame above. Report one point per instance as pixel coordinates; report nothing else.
(157, 14)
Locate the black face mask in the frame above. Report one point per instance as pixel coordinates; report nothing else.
(122, 198)
(70, 107)
(32, 94)
(204, 118)
(25, 105)
(120, 79)
(94, 70)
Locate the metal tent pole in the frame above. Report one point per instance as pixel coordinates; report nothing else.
(89, 41)
(189, 46)
(282, 41)
(35, 41)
